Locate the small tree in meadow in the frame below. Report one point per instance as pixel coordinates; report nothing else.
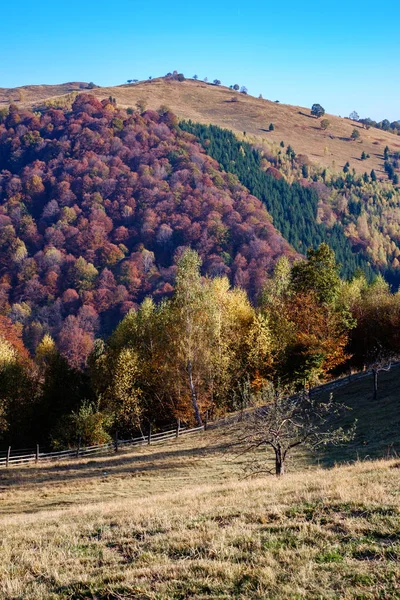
(324, 124)
(317, 111)
(355, 134)
(283, 423)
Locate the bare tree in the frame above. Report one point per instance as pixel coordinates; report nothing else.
(286, 422)
(380, 361)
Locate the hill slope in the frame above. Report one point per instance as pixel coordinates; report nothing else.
(207, 103)
(94, 205)
(177, 521)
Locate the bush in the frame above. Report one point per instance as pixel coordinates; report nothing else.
(87, 424)
(325, 124)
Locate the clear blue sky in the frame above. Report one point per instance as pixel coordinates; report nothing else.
(343, 54)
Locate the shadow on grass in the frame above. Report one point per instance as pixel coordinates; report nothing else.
(306, 115)
(378, 422)
(126, 462)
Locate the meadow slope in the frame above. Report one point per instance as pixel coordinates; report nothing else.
(206, 103)
(178, 521)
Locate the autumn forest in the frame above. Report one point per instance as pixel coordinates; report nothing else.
(141, 281)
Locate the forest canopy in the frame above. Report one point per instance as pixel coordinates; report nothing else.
(96, 206)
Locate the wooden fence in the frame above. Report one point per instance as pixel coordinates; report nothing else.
(29, 455)
(33, 455)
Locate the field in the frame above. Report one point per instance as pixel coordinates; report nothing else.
(206, 103)
(178, 520)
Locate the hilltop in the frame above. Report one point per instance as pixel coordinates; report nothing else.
(207, 103)
(28, 95)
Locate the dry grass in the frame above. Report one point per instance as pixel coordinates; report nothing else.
(28, 95)
(317, 534)
(206, 103)
(177, 521)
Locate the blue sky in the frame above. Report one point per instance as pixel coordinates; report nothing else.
(343, 54)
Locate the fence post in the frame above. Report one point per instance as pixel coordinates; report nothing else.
(116, 441)
(149, 436)
(206, 421)
(37, 453)
(8, 456)
(79, 447)
(178, 426)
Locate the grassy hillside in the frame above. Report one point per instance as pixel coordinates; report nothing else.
(31, 94)
(206, 103)
(178, 521)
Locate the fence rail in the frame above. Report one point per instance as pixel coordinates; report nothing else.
(7, 459)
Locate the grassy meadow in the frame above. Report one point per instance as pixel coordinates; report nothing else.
(206, 103)
(178, 520)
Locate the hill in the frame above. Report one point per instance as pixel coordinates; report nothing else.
(178, 521)
(355, 206)
(31, 94)
(95, 204)
(206, 103)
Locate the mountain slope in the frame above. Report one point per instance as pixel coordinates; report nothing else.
(207, 103)
(94, 205)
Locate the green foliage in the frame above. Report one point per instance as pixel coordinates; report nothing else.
(386, 153)
(319, 274)
(87, 425)
(292, 207)
(317, 111)
(83, 274)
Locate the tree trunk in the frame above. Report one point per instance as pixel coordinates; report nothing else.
(375, 372)
(279, 463)
(193, 394)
